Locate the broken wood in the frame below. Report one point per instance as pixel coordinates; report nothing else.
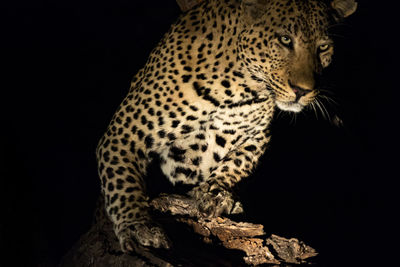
(242, 236)
(100, 247)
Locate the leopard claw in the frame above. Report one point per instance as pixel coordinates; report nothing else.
(143, 233)
(216, 202)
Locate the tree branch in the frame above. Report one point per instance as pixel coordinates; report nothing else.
(99, 246)
(235, 235)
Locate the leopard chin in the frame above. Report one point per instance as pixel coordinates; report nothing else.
(289, 106)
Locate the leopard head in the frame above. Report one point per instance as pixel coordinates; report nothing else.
(285, 43)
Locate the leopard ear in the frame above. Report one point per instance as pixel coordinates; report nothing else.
(343, 8)
(186, 5)
(253, 10)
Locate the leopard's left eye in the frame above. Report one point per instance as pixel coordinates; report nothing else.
(323, 47)
(285, 40)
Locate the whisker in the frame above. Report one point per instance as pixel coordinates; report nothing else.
(324, 110)
(318, 104)
(315, 110)
(295, 118)
(326, 91)
(330, 100)
(291, 118)
(338, 24)
(279, 114)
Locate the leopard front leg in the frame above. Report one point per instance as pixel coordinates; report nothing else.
(126, 202)
(214, 196)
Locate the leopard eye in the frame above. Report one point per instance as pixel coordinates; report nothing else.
(285, 40)
(323, 47)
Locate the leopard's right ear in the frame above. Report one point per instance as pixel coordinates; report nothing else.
(186, 5)
(343, 8)
(253, 10)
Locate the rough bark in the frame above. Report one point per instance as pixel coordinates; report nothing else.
(224, 242)
(242, 236)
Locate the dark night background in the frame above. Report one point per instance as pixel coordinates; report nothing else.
(66, 67)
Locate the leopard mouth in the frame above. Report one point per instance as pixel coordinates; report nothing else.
(293, 106)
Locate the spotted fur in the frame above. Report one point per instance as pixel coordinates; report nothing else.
(203, 102)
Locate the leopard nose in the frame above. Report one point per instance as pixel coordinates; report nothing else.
(299, 91)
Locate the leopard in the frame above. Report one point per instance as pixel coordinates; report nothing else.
(203, 103)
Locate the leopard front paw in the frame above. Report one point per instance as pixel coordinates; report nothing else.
(143, 233)
(214, 200)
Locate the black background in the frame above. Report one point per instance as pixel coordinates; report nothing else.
(67, 66)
